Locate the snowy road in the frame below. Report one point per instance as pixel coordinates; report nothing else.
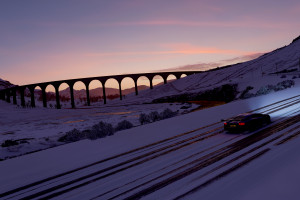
(192, 159)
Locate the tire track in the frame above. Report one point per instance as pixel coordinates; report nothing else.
(219, 154)
(242, 163)
(164, 168)
(225, 173)
(99, 162)
(66, 184)
(144, 148)
(193, 162)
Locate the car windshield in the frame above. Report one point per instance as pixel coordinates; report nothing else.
(238, 118)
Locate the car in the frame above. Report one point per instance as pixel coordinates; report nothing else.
(247, 121)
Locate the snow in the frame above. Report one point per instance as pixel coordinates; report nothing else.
(42, 127)
(274, 175)
(33, 167)
(4, 84)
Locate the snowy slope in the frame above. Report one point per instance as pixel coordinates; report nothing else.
(4, 84)
(255, 73)
(274, 176)
(45, 125)
(33, 167)
(99, 91)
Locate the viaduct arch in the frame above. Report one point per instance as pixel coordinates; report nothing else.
(7, 93)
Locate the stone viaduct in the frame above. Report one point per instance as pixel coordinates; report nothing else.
(6, 94)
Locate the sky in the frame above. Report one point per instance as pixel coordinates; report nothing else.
(63, 39)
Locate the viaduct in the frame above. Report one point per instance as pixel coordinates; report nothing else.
(6, 94)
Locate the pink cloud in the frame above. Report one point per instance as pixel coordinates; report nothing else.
(186, 48)
(211, 65)
(180, 48)
(251, 23)
(238, 23)
(242, 58)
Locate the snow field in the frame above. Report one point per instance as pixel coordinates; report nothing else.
(42, 127)
(76, 154)
(272, 176)
(155, 165)
(255, 180)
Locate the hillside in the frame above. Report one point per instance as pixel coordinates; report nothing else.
(248, 79)
(189, 155)
(99, 92)
(155, 160)
(269, 69)
(4, 84)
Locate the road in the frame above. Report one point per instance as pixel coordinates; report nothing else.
(193, 159)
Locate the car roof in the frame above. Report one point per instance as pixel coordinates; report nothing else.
(248, 114)
(245, 114)
(242, 116)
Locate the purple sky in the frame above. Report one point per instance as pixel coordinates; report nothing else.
(63, 39)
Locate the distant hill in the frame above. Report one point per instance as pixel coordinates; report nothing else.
(5, 84)
(268, 69)
(99, 92)
(267, 73)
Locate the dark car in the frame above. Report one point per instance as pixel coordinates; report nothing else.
(247, 121)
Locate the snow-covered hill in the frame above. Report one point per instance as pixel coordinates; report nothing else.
(268, 69)
(201, 141)
(99, 91)
(4, 84)
(190, 156)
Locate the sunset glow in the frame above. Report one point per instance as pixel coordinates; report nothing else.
(54, 40)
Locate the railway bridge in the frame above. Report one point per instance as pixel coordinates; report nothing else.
(7, 93)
